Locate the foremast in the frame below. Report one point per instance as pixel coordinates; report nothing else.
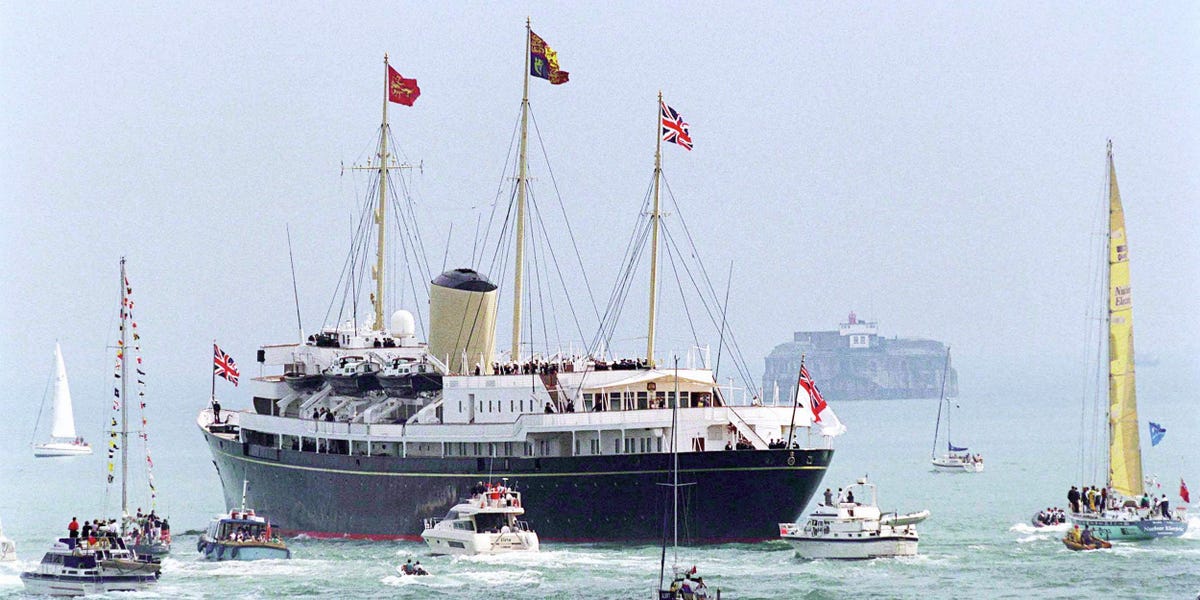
(1124, 449)
(654, 224)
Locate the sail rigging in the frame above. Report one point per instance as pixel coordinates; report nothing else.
(64, 417)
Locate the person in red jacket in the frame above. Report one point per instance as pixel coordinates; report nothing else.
(73, 528)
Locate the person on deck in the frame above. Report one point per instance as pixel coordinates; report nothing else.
(73, 528)
(1073, 499)
(1164, 507)
(216, 406)
(828, 497)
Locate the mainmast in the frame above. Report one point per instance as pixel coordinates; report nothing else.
(654, 218)
(124, 350)
(522, 183)
(377, 301)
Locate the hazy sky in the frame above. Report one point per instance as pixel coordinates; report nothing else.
(938, 167)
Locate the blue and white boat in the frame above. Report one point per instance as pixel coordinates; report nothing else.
(241, 535)
(75, 567)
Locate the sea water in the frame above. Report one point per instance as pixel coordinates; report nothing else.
(977, 544)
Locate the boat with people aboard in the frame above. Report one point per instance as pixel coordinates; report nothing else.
(75, 566)
(489, 522)
(956, 459)
(8, 548)
(1050, 517)
(241, 534)
(1082, 539)
(63, 439)
(1121, 509)
(564, 420)
(854, 529)
(411, 569)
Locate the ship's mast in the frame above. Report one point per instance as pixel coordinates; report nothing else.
(380, 219)
(654, 217)
(124, 350)
(522, 183)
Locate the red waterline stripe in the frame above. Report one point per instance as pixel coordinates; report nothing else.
(378, 537)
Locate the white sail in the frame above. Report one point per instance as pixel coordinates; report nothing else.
(64, 418)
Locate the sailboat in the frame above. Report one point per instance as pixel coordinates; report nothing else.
(956, 459)
(1125, 517)
(146, 534)
(63, 440)
(686, 584)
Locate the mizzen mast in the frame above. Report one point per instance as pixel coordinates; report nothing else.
(522, 184)
(123, 349)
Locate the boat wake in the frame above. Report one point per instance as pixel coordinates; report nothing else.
(1193, 530)
(1028, 533)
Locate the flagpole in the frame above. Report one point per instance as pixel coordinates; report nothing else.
(522, 177)
(796, 402)
(379, 213)
(654, 218)
(213, 398)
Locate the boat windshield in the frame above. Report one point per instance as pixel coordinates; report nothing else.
(490, 522)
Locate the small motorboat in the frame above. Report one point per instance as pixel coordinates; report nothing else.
(78, 567)
(485, 523)
(241, 535)
(8, 548)
(406, 378)
(1096, 544)
(352, 376)
(854, 530)
(409, 569)
(303, 382)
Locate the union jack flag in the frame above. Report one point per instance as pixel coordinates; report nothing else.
(224, 365)
(814, 394)
(674, 130)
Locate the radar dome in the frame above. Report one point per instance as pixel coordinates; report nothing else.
(403, 324)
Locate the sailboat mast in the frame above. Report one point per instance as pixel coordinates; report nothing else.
(654, 217)
(124, 350)
(675, 459)
(522, 183)
(380, 215)
(1108, 312)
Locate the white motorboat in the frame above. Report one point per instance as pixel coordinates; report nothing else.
(854, 530)
(77, 567)
(486, 523)
(241, 535)
(63, 441)
(956, 459)
(8, 549)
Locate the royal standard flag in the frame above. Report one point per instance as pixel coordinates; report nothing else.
(543, 61)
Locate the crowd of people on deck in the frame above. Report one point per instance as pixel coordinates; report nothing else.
(322, 414)
(690, 588)
(781, 444)
(105, 532)
(1050, 516)
(1093, 499)
(741, 444)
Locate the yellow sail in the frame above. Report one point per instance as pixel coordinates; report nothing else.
(1124, 450)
